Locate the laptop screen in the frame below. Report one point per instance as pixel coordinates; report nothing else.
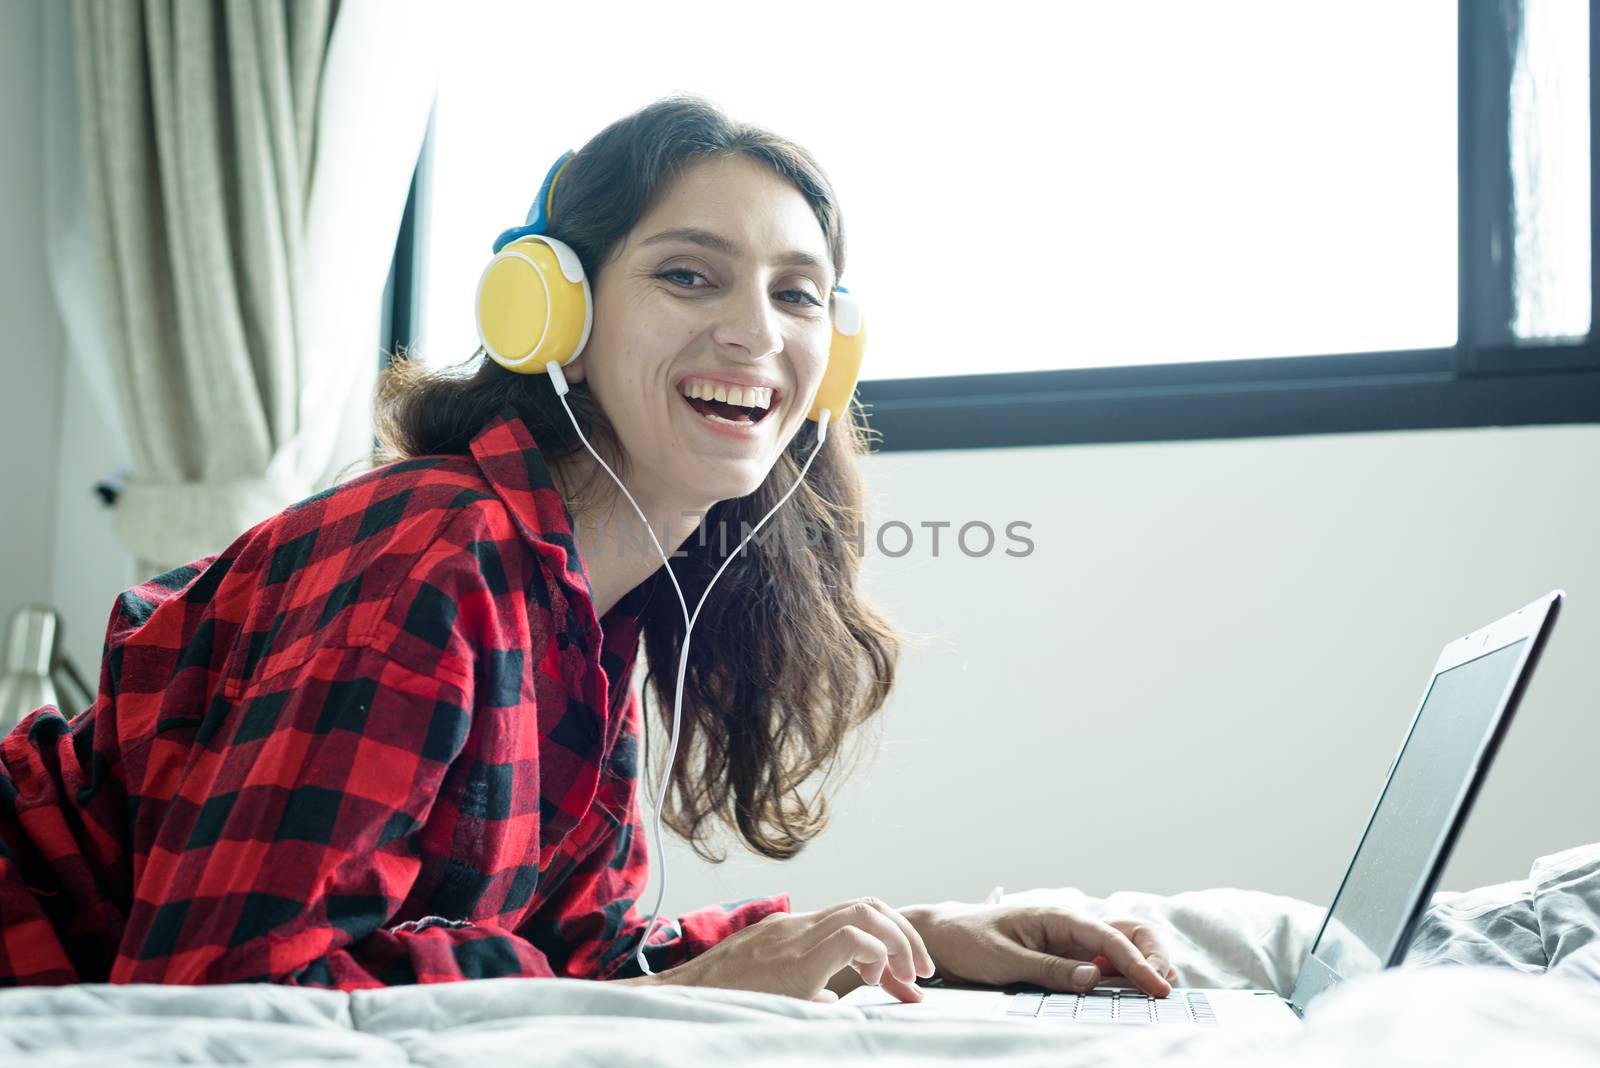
(1370, 912)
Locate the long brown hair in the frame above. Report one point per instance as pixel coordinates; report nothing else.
(788, 657)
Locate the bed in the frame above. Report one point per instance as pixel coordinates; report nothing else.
(1505, 974)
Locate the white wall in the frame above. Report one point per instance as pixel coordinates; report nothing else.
(1197, 678)
(90, 566)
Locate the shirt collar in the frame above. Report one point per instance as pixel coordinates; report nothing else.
(513, 465)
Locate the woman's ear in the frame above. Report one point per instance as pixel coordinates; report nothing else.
(576, 371)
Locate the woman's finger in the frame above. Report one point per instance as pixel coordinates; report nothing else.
(904, 991)
(1060, 973)
(863, 913)
(1099, 937)
(849, 947)
(1105, 966)
(921, 959)
(1147, 942)
(1150, 976)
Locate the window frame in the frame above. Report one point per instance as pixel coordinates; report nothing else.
(1483, 380)
(400, 318)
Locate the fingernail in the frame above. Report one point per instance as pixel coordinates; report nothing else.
(1083, 974)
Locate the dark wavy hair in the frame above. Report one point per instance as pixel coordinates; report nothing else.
(788, 657)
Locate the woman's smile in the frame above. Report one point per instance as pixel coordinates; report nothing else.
(734, 406)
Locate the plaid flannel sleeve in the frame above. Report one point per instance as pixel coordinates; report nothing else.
(31, 951)
(287, 857)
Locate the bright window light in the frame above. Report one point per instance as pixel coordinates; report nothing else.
(1549, 142)
(1025, 186)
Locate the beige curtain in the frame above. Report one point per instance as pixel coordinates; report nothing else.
(244, 165)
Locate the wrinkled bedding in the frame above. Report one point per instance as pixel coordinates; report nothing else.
(1506, 974)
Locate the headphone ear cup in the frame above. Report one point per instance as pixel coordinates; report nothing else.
(534, 306)
(845, 353)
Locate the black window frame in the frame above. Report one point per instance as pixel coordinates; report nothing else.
(400, 320)
(1485, 379)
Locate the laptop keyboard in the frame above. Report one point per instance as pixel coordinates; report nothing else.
(1114, 1007)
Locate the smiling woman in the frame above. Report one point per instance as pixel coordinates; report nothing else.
(711, 248)
(709, 340)
(388, 735)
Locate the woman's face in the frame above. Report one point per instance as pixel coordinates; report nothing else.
(676, 318)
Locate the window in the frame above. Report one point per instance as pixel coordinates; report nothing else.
(1548, 141)
(1126, 221)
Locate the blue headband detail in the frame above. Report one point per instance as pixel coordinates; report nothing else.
(537, 221)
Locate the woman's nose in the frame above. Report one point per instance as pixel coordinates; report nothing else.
(749, 322)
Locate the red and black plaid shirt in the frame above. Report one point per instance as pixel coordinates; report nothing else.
(380, 739)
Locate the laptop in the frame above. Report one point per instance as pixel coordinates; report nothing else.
(1466, 707)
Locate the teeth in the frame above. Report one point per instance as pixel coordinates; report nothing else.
(744, 397)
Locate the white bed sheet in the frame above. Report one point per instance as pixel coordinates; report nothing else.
(1529, 993)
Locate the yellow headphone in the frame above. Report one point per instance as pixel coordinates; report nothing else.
(535, 311)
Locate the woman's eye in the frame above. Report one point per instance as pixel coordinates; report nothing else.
(670, 272)
(809, 299)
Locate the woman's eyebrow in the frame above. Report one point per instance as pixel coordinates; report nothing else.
(710, 240)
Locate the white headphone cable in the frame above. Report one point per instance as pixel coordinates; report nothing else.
(559, 380)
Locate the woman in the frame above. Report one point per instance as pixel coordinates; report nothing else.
(387, 735)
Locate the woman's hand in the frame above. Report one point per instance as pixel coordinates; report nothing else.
(798, 953)
(1056, 948)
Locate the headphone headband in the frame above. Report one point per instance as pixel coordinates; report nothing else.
(542, 208)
